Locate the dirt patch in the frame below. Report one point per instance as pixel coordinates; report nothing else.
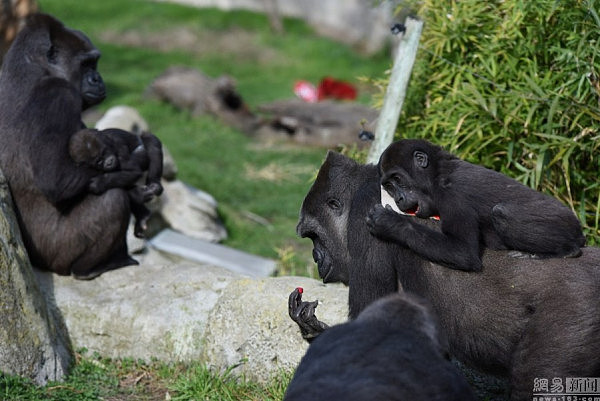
(242, 43)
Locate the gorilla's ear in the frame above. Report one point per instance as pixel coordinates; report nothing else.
(421, 159)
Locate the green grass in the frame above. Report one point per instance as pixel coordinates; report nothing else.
(259, 188)
(260, 214)
(97, 378)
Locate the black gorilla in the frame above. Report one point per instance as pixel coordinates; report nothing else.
(114, 159)
(345, 362)
(478, 208)
(519, 318)
(48, 76)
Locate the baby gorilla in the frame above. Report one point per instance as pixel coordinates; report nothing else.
(114, 158)
(477, 207)
(391, 351)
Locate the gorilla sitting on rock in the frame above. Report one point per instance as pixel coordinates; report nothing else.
(48, 77)
(522, 319)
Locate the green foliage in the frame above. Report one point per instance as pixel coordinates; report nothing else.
(201, 383)
(97, 378)
(514, 85)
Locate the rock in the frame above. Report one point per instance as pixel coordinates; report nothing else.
(129, 119)
(34, 342)
(181, 311)
(149, 311)
(250, 328)
(189, 89)
(191, 212)
(326, 123)
(124, 117)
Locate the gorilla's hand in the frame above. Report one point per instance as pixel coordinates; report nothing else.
(303, 313)
(385, 224)
(151, 190)
(97, 185)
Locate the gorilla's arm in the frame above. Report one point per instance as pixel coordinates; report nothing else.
(303, 313)
(116, 179)
(54, 172)
(155, 158)
(460, 252)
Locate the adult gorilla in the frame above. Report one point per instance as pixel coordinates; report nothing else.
(519, 318)
(48, 77)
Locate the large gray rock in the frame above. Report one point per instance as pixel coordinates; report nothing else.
(191, 211)
(250, 327)
(34, 342)
(175, 310)
(147, 311)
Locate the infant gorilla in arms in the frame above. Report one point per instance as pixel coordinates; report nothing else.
(477, 207)
(115, 157)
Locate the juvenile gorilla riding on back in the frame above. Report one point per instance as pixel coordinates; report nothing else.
(477, 207)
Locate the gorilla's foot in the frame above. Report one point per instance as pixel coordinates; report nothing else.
(103, 268)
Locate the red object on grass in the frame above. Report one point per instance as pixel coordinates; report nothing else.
(331, 88)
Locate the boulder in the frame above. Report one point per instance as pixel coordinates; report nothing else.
(191, 211)
(34, 341)
(190, 89)
(326, 123)
(143, 312)
(249, 327)
(175, 310)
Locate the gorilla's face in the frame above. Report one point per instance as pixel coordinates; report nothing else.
(324, 218)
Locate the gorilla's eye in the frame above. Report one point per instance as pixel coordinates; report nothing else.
(334, 204)
(388, 186)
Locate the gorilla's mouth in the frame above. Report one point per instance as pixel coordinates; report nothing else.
(323, 265)
(93, 96)
(413, 210)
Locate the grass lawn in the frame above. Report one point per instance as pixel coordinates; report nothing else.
(259, 187)
(140, 39)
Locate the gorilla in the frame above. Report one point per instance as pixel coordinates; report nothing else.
(345, 362)
(519, 318)
(478, 208)
(48, 77)
(114, 158)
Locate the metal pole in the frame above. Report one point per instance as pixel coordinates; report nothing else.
(396, 90)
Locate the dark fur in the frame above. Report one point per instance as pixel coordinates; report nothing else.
(44, 85)
(478, 208)
(346, 361)
(518, 318)
(116, 159)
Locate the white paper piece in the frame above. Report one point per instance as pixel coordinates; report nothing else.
(386, 199)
